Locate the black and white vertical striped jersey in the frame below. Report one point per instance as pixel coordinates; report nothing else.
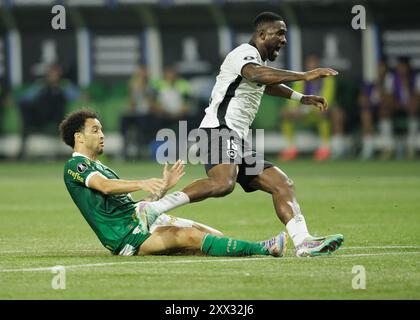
(234, 100)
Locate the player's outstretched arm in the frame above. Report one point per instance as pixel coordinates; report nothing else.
(319, 102)
(284, 91)
(272, 76)
(118, 186)
(280, 90)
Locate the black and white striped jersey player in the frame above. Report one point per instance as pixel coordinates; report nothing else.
(243, 79)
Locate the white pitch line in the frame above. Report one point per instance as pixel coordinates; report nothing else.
(380, 247)
(372, 254)
(197, 261)
(54, 251)
(130, 262)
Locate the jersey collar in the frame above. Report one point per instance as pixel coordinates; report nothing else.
(78, 154)
(252, 43)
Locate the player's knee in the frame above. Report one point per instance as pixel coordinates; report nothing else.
(192, 237)
(284, 187)
(224, 187)
(290, 183)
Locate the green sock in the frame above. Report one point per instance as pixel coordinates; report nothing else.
(216, 246)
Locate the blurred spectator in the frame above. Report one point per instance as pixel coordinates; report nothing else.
(413, 125)
(309, 115)
(173, 98)
(4, 97)
(399, 110)
(140, 124)
(43, 105)
(374, 107)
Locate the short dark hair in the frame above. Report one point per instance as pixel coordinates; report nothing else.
(75, 122)
(266, 17)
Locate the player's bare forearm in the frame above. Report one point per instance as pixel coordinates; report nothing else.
(279, 90)
(153, 197)
(156, 196)
(285, 92)
(271, 76)
(118, 186)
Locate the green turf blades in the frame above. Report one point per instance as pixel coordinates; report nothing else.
(374, 204)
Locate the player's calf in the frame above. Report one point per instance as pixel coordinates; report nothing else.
(166, 239)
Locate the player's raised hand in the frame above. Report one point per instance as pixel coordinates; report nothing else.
(174, 174)
(319, 102)
(154, 185)
(319, 73)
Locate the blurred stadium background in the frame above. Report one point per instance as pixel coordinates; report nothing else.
(106, 40)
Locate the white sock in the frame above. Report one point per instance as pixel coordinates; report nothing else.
(297, 229)
(170, 201)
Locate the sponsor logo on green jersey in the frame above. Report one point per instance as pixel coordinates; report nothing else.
(81, 167)
(75, 175)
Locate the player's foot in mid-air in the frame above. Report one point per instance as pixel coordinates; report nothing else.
(276, 246)
(312, 246)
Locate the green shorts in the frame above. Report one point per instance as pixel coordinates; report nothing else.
(131, 243)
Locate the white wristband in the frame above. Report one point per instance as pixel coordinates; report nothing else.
(296, 96)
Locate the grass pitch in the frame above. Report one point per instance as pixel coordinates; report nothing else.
(374, 204)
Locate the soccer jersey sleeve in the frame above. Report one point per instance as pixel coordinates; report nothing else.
(242, 57)
(80, 171)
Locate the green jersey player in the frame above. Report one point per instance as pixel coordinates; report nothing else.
(128, 227)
